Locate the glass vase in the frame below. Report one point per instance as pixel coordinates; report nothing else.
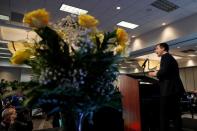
(73, 121)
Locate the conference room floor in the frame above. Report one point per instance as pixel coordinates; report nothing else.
(189, 123)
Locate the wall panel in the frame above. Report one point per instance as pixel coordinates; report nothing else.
(182, 75)
(189, 78)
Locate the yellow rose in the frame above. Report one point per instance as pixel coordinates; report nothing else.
(118, 49)
(19, 45)
(37, 18)
(101, 37)
(122, 36)
(61, 33)
(87, 21)
(20, 56)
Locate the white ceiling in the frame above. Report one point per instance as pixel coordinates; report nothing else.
(139, 12)
(136, 11)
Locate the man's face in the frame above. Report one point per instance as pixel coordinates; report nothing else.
(159, 51)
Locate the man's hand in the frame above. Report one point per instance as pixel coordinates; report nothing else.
(153, 74)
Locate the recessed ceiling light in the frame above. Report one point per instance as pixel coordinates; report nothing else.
(178, 47)
(73, 10)
(4, 17)
(127, 25)
(192, 55)
(118, 7)
(133, 36)
(163, 24)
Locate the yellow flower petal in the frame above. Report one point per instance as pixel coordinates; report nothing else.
(37, 18)
(87, 21)
(19, 45)
(20, 56)
(101, 37)
(119, 49)
(122, 36)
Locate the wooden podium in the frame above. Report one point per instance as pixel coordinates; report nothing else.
(129, 88)
(140, 99)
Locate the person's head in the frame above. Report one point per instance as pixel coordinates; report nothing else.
(9, 115)
(161, 49)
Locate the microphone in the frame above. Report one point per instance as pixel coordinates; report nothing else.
(144, 64)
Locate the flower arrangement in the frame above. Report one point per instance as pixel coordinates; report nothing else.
(74, 62)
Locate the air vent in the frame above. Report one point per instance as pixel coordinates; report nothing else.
(188, 51)
(165, 5)
(16, 17)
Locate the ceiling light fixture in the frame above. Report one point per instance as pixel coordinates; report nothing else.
(127, 25)
(178, 47)
(4, 17)
(118, 7)
(133, 36)
(73, 10)
(163, 24)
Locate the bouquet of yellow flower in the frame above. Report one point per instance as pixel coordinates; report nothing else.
(74, 62)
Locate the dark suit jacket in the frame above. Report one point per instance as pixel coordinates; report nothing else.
(169, 78)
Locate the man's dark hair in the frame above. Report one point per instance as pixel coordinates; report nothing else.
(164, 45)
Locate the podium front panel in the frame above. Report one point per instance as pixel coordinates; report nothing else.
(129, 88)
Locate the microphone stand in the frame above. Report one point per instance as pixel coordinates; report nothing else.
(144, 65)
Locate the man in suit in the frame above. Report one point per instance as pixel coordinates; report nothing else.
(171, 88)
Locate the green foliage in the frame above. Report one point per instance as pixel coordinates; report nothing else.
(76, 73)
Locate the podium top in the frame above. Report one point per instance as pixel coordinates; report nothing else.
(143, 78)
